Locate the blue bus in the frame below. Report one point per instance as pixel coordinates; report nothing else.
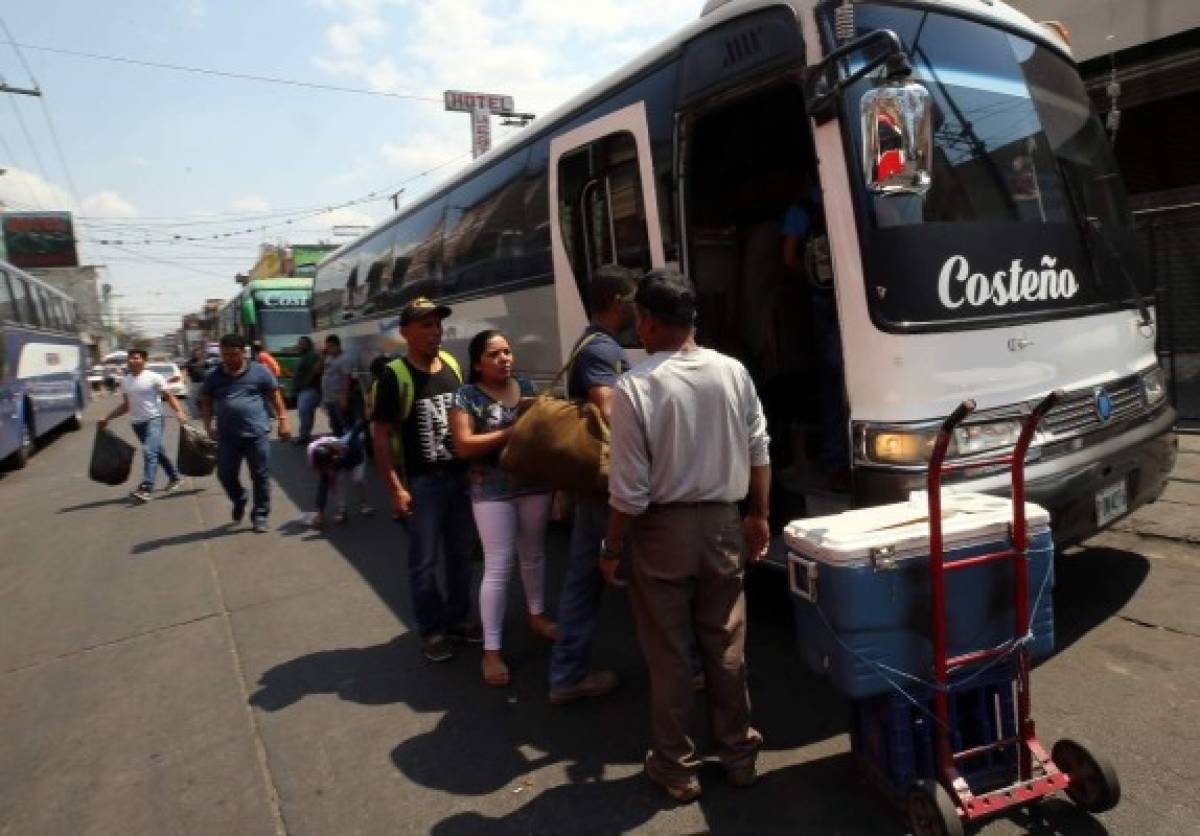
(41, 363)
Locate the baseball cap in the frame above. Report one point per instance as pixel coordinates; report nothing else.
(419, 307)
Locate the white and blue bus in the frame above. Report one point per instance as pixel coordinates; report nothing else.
(975, 227)
(42, 368)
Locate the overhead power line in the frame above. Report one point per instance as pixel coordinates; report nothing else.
(312, 85)
(62, 160)
(29, 141)
(219, 218)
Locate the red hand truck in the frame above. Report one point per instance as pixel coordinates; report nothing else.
(940, 807)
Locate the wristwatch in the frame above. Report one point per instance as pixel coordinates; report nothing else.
(609, 553)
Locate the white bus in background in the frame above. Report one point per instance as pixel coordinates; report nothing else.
(42, 375)
(980, 241)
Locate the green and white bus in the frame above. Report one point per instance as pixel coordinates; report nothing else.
(275, 312)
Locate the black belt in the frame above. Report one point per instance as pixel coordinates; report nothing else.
(708, 503)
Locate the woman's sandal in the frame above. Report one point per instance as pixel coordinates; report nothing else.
(495, 672)
(543, 627)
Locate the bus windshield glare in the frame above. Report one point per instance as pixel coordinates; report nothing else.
(1026, 217)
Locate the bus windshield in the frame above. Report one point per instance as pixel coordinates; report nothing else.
(282, 327)
(1026, 217)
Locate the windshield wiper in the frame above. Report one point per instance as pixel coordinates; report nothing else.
(1090, 229)
(1096, 227)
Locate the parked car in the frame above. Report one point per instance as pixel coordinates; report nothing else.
(173, 376)
(95, 377)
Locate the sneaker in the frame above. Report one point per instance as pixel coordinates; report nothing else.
(142, 495)
(437, 648)
(317, 521)
(467, 631)
(239, 510)
(174, 485)
(742, 776)
(341, 517)
(595, 684)
(684, 792)
(260, 526)
(366, 510)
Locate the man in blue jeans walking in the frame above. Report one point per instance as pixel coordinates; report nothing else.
(244, 395)
(427, 482)
(143, 393)
(598, 361)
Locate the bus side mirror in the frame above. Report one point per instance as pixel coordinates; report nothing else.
(897, 131)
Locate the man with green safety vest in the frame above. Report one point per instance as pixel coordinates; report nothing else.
(427, 482)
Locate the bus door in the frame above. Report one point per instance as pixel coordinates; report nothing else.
(603, 210)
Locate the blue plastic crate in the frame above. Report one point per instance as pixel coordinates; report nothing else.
(894, 740)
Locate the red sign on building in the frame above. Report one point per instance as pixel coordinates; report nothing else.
(38, 239)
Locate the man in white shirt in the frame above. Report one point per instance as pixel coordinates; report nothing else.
(689, 441)
(143, 393)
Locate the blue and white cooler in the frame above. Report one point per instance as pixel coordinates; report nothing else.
(861, 588)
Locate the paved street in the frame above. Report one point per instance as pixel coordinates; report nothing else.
(162, 672)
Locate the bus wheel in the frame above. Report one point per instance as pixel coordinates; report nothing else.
(28, 443)
(75, 422)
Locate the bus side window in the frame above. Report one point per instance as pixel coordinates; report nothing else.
(485, 228)
(601, 209)
(42, 306)
(328, 289)
(536, 258)
(418, 241)
(7, 310)
(54, 306)
(22, 301)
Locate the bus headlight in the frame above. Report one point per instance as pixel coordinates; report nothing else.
(1154, 386)
(984, 438)
(905, 447)
(915, 447)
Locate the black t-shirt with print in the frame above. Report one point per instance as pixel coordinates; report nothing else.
(425, 435)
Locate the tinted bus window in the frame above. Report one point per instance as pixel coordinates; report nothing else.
(417, 247)
(22, 302)
(42, 304)
(536, 257)
(53, 306)
(6, 303)
(485, 227)
(329, 292)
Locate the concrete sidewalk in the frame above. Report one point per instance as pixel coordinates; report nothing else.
(1176, 515)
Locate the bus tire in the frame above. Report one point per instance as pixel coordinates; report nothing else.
(75, 422)
(28, 443)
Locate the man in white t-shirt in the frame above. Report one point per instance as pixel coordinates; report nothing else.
(143, 393)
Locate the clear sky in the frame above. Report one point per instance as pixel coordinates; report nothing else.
(151, 154)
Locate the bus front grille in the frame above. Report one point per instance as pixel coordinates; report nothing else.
(1078, 413)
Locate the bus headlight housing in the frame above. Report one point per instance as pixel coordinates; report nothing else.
(1154, 386)
(915, 447)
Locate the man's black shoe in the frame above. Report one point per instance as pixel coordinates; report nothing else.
(466, 632)
(239, 510)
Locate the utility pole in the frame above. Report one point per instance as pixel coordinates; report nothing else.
(396, 200)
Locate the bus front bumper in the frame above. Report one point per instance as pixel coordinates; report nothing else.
(1067, 485)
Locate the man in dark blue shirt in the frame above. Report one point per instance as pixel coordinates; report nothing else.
(597, 361)
(245, 394)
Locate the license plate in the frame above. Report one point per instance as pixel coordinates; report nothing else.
(1111, 502)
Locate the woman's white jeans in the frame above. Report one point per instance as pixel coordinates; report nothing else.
(507, 526)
